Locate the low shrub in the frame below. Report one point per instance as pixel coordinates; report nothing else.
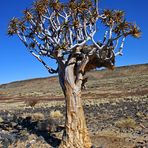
(31, 102)
(127, 123)
(56, 114)
(38, 116)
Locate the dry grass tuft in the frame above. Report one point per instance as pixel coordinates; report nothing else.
(31, 102)
(127, 123)
(38, 116)
(35, 116)
(56, 114)
(140, 114)
(24, 115)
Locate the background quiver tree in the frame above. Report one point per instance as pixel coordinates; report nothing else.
(66, 32)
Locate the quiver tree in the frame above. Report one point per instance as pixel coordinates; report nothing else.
(66, 32)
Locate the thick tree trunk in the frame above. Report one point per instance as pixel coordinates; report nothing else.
(76, 134)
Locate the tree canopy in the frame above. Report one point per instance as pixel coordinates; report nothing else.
(54, 29)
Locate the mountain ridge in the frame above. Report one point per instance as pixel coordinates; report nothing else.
(104, 69)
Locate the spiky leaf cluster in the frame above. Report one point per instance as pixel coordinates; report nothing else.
(116, 20)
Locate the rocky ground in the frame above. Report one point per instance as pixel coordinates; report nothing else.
(115, 105)
(115, 124)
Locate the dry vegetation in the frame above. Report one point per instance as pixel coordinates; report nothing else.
(127, 123)
(115, 105)
(56, 114)
(101, 84)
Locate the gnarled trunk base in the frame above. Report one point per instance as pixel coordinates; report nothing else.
(76, 143)
(76, 134)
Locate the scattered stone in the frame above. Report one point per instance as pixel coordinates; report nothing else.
(6, 139)
(42, 126)
(32, 141)
(46, 129)
(14, 124)
(1, 120)
(28, 145)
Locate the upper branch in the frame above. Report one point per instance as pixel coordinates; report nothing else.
(58, 26)
(56, 30)
(36, 54)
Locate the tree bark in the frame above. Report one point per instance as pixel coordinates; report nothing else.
(76, 133)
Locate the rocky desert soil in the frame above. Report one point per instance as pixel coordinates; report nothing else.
(115, 105)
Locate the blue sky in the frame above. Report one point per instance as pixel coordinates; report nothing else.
(17, 64)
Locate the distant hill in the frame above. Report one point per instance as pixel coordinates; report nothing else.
(122, 82)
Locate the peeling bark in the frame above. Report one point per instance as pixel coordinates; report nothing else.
(76, 134)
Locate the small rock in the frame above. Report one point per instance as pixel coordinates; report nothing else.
(1, 120)
(40, 138)
(19, 127)
(28, 145)
(32, 141)
(14, 118)
(13, 124)
(42, 126)
(23, 138)
(7, 139)
(5, 143)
